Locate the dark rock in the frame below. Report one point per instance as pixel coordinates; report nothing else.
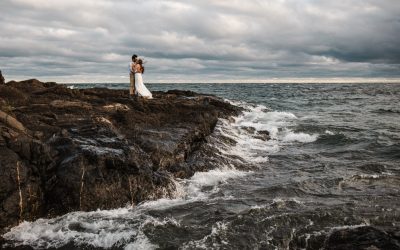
(2, 81)
(250, 130)
(263, 135)
(361, 238)
(96, 148)
(20, 189)
(13, 96)
(185, 93)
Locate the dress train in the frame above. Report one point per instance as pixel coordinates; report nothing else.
(140, 88)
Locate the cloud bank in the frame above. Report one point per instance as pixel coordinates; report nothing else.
(199, 40)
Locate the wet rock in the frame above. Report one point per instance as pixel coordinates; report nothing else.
(20, 189)
(362, 238)
(64, 150)
(250, 130)
(263, 135)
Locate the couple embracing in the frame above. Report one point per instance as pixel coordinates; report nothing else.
(137, 86)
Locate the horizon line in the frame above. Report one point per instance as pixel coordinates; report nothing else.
(252, 81)
(231, 81)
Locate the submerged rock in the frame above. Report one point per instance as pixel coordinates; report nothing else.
(64, 149)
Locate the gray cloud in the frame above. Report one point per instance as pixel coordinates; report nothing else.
(202, 40)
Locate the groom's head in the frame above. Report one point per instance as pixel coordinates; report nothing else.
(134, 57)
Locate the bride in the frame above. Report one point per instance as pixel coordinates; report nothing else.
(140, 88)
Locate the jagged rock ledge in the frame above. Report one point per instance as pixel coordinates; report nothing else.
(63, 150)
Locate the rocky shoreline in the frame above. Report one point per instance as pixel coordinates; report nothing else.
(64, 150)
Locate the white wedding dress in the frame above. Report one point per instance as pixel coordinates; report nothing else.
(140, 88)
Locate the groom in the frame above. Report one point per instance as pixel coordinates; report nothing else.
(132, 76)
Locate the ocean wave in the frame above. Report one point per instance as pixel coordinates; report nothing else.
(330, 138)
(142, 242)
(299, 137)
(373, 167)
(386, 111)
(216, 238)
(279, 203)
(387, 182)
(246, 129)
(328, 132)
(96, 229)
(210, 179)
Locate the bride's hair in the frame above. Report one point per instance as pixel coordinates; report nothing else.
(140, 62)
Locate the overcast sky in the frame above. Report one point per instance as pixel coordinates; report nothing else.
(199, 40)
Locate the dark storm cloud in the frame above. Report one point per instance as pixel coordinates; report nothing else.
(81, 40)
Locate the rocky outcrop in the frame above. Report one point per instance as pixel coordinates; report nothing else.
(64, 149)
(2, 81)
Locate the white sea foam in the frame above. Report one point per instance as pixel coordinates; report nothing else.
(280, 200)
(97, 229)
(258, 207)
(246, 128)
(118, 227)
(299, 137)
(349, 227)
(102, 228)
(142, 243)
(210, 179)
(192, 189)
(215, 176)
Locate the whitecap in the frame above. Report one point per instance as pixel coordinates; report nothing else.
(250, 146)
(299, 137)
(142, 243)
(210, 179)
(328, 132)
